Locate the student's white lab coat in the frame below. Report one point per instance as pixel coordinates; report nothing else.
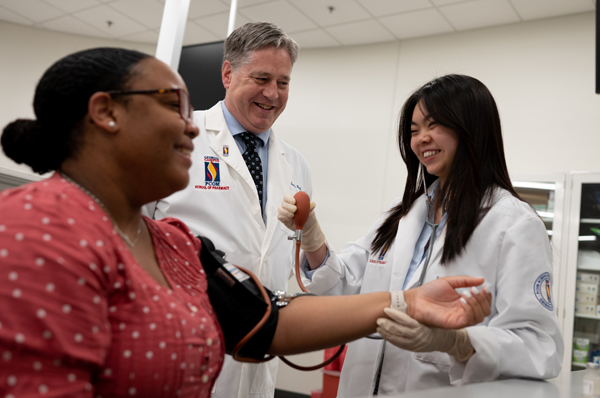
(221, 203)
(521, 337)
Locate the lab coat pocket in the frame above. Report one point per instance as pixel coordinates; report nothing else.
(438, 358)
(285, 229)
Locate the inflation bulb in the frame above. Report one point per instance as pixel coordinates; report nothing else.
(303, 208)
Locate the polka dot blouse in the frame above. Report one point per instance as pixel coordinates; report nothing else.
(81, 318)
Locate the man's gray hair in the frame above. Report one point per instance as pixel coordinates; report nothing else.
(253, 36)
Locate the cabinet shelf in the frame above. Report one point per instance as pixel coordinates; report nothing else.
(590, 220)
(589, 268)
(597, 317)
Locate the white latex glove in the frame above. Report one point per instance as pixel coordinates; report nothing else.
(405, 332)
(312, 236)
(438, 304)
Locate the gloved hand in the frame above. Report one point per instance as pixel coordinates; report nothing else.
(438, 304)
(312, 236)
(405, 332)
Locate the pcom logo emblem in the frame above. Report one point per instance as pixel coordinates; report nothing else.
(212, 175)
(541, 289)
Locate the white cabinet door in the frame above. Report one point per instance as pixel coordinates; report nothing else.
(546, 194)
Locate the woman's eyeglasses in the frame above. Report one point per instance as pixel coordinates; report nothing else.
(186, 109)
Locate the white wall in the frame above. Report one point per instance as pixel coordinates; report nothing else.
(25, 53)
(344, 105)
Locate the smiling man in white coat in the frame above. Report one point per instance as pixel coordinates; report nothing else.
(234, 206)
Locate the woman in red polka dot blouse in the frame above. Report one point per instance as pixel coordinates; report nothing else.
(99, 301)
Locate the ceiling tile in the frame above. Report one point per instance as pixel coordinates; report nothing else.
(314, 38)
(480, 13)
(72, 5)
(360, 33)
(348, 24)
(34, 10)
(245, 3)
(150, 36)
(9, 16)
(206, 7)
(343, 11)
(445, 2)
(386, 7)
(281, 13)
(69, 24)
(147, 13)
(536, 9)
(119, 25)
(217, 24)
(417, 23)
(195, 34)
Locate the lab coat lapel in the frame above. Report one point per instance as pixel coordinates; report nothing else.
(436, 255)
(215, 124)
(404, 243)
(278, 182)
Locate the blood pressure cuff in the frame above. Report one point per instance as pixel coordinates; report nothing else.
(238, 304)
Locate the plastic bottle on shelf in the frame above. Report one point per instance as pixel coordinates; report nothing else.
(591, 381)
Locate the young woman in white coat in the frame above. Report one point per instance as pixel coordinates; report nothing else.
(451, 142)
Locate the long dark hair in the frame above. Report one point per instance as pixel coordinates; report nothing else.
(61, 101)
(464, 105)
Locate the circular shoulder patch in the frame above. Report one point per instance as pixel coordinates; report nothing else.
(541, 289)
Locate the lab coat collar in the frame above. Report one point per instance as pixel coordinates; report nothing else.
(214, 119)
(436, 254)
(280, 170)
(280, 175)
(220, 136)
(236, 127)
(405, 244)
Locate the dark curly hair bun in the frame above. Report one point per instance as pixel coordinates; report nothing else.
(25, 141)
